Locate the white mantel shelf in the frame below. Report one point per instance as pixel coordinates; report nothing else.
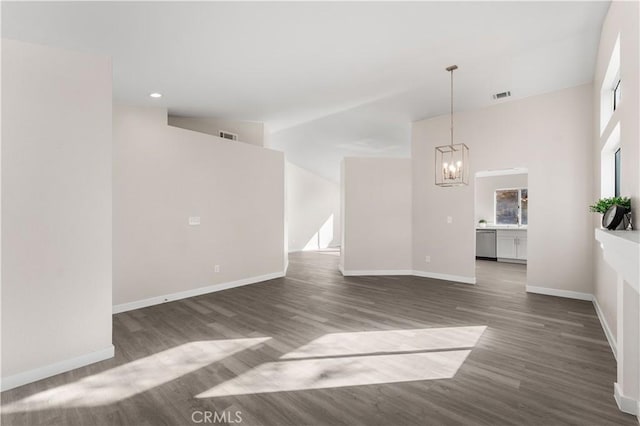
(622, 251)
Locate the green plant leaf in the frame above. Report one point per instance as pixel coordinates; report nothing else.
(603, 204)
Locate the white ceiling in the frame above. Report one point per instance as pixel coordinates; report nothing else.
(350, 75)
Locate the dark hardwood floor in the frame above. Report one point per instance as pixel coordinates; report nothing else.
(315, 348)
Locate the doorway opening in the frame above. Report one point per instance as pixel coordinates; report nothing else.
(501, 211)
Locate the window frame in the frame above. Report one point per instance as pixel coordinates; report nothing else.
(617, 160)
(519, 219)
(616, 93)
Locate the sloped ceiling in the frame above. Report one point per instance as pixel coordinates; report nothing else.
(349, 76)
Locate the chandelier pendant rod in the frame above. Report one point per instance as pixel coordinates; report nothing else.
(451, 69)
(452, 105)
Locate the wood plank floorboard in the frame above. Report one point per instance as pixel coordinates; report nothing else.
(316, 348)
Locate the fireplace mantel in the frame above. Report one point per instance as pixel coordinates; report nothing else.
(622, 251)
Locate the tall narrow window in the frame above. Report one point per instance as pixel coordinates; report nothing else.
(610, 89)
(617, 173)
(616, 95)
(524, 206)
(512, 207)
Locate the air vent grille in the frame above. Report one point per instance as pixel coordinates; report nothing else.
(227, 135)
(502, 95)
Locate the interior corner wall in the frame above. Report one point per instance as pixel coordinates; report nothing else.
(548, 135)
(313, 210)
(377, 216)
(622, 19)
(56, 211)
(163, 175)
(250, 132)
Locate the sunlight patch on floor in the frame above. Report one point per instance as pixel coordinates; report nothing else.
(134, 377)
(368, 342)
(324, 373)
(359, 358)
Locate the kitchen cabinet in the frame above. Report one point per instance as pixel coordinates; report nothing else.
(512, 245)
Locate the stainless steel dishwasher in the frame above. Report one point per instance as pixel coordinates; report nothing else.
(486, 244)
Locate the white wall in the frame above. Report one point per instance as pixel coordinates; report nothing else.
(622, 19)
(162, 176)
(485, 193)
(377, 215)
(56, 210)
(369, 130)
(545, 134)
(313, 210)
(251, 132)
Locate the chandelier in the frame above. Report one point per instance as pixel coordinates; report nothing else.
(452, 161)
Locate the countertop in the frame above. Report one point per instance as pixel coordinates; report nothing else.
(503, 227)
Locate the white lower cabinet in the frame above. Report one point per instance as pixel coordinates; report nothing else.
(511, 244)
(505, 246)
(521, 246)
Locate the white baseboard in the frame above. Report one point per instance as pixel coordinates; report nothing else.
(193, 292)
(396, 272)
(625, 404)
(519, 261)
(378, 272)
(560, 293)
(330, 248)
(55, 368)
(605, 326)
(445, 277)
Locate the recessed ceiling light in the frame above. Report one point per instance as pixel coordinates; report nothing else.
(156, 95)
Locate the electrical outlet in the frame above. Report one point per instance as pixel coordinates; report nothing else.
(194, 220)
(427, 259)
(216, 268)
(449, 219)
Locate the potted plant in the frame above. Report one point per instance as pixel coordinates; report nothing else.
(604, 204)
(482, 223)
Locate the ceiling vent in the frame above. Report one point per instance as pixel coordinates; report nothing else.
(502, 95)
(227, 135)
